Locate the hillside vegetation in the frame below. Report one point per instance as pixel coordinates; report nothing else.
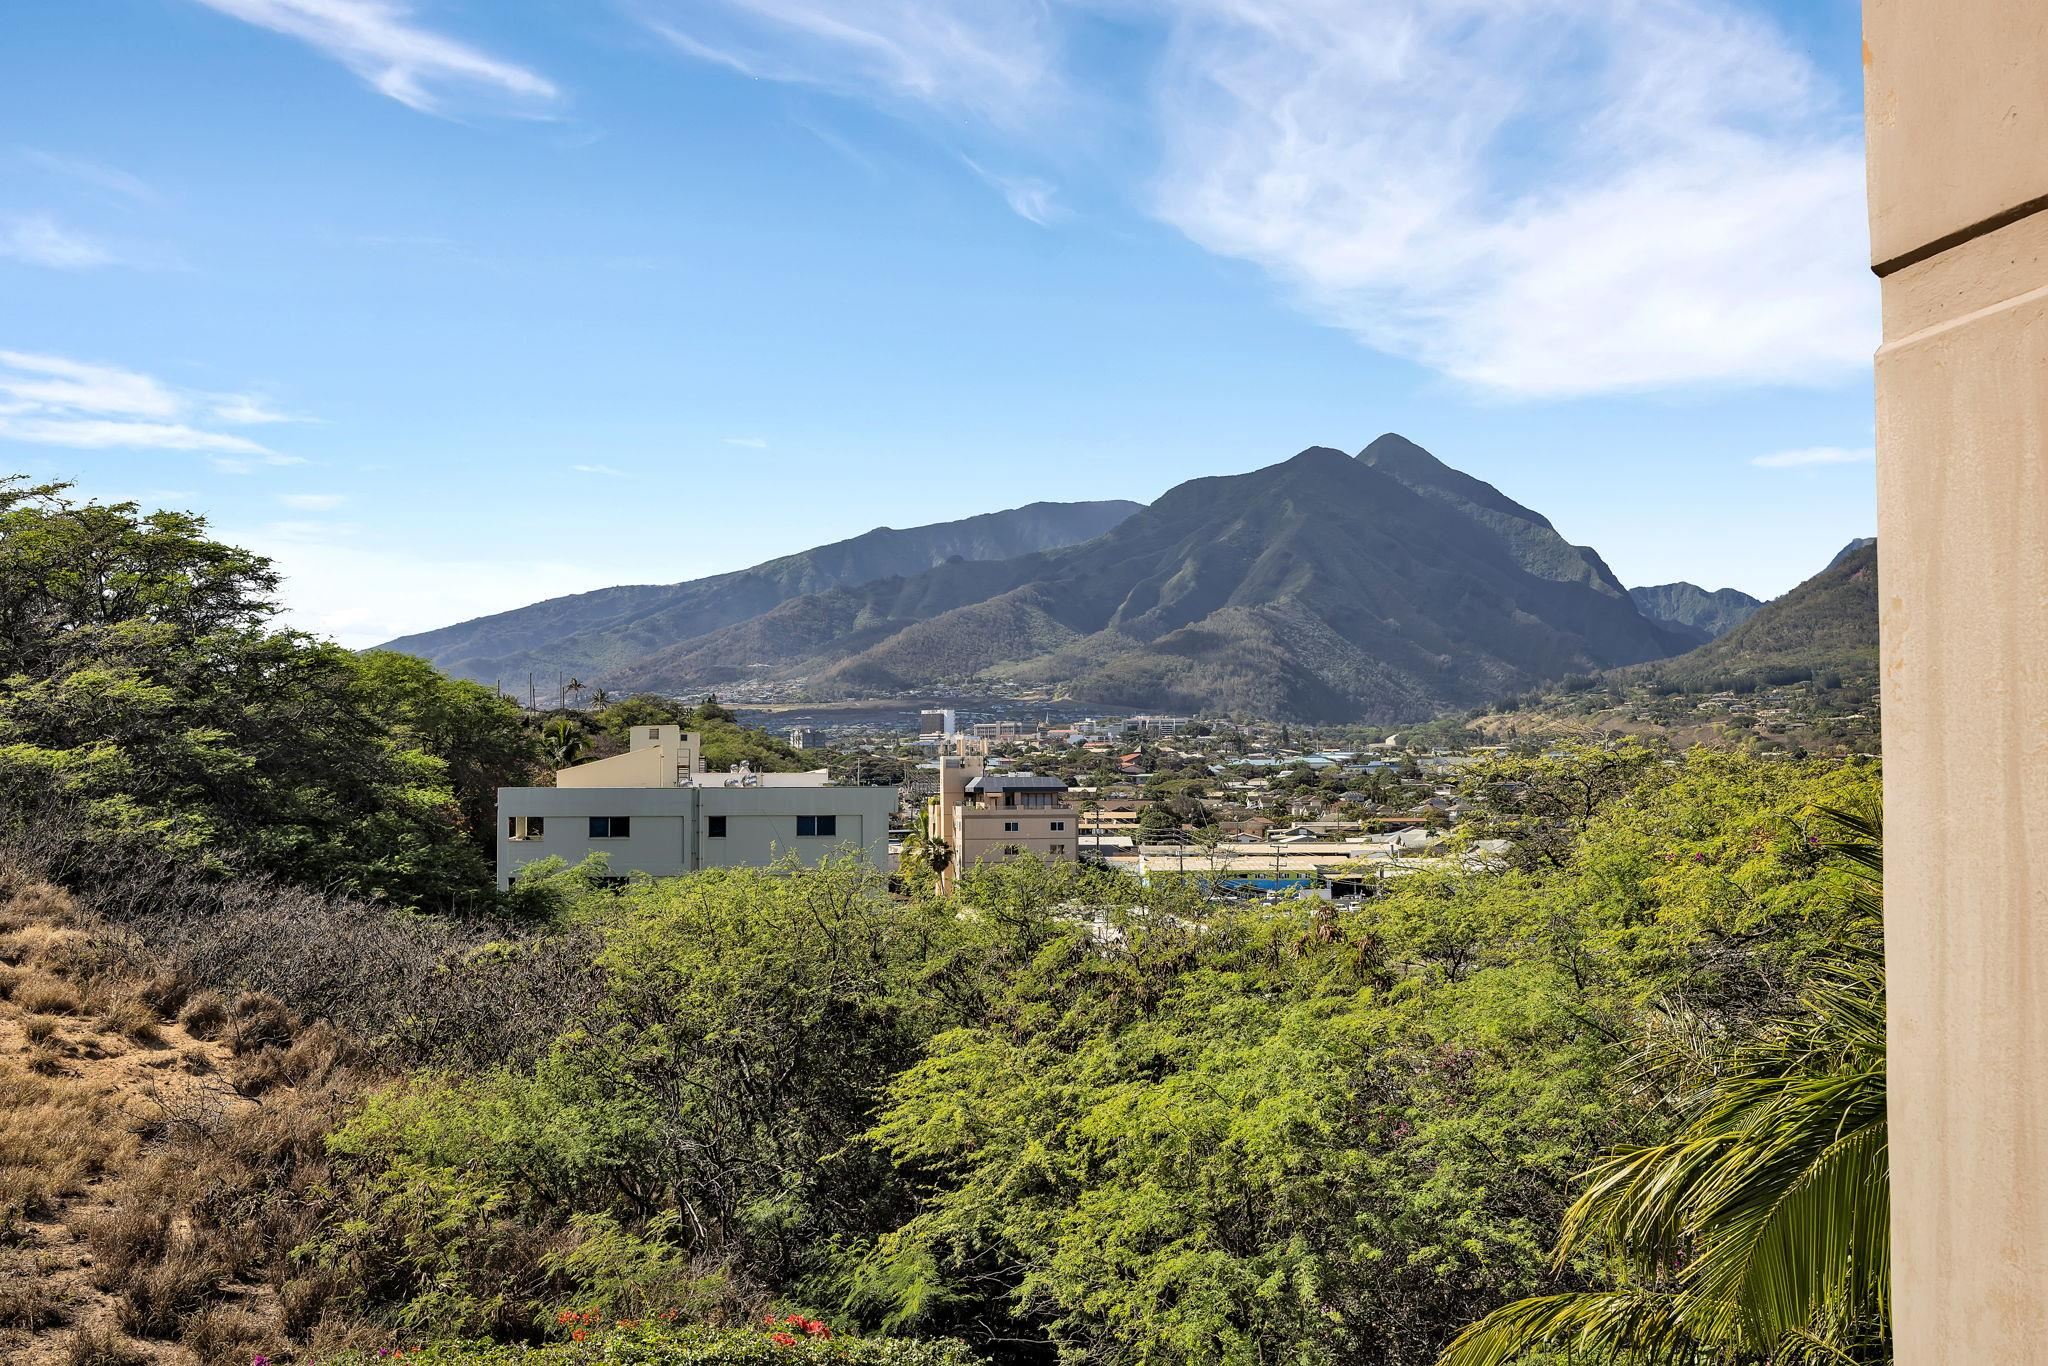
(1826, 626)
(271, 1091)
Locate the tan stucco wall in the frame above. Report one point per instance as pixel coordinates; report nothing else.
(636, 768)
(1957, 107)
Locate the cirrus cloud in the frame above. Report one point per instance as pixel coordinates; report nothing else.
(379, 41)
(1539, 199)
(1816, 455)
(51, 400)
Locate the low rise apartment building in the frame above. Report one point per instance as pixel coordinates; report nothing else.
(655, 810)
(984, 817)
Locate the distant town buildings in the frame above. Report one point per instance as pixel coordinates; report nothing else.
(936, 723)
(803, 737)
(655, 810)
(983, 817)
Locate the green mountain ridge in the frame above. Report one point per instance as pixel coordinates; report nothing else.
(1385, 586)
(1711, 613)
(584, 635)
(1825, 626)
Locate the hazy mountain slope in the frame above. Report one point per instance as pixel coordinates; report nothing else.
(1685, 604)
(1535, 542)
(1850, 549)
(586, 634)
(1827, 625)
(1322, 587)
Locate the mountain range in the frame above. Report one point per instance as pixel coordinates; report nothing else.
(1827, 626)
(1710, 614)
(588, 635)
(1381, 586)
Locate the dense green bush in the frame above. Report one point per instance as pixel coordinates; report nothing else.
(778, 1343)
(1059, 1112)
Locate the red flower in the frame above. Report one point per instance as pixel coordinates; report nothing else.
(566, 1316)
(782, 1339)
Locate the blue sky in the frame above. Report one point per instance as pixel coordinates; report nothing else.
(450, 305)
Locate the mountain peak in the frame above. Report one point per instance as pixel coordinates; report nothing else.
(1318, 455)
(1394, 447)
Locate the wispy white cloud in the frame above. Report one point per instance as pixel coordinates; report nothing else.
(312, 502)
(111, 179)
(380, 42)
(260, 458)
(994, 57)
(1544, 198)
(1816, 455)
(92, 434)
(752, 443)
(83, 405)
(247, 410)
(40, 240)
(599, 469)
(1029, 197)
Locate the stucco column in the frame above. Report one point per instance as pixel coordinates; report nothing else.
(1956, 103)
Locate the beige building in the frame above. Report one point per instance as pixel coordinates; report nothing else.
(655, 810)
(986, 817)
(1956, 100)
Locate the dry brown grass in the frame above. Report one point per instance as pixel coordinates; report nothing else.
(57, 1137)
(229, 1337)
(258, 1021)
(157, 1297)
(205, 1015)
(39, 1028)
(123, 1240)
(103, 1347)
(46, 996)
(33, 1303)
(132, 1018)
(165, 993)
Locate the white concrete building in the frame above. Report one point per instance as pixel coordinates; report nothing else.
(655, 810)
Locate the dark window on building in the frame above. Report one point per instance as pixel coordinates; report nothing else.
(512, 827)
(809, 826)
(714, 827)
(1059, 825)
(1009, 827)
(611, 827)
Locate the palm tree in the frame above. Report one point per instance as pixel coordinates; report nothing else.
(561, 743)
(1761, 1233)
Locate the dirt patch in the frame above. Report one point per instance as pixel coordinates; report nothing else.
(94, 1073)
